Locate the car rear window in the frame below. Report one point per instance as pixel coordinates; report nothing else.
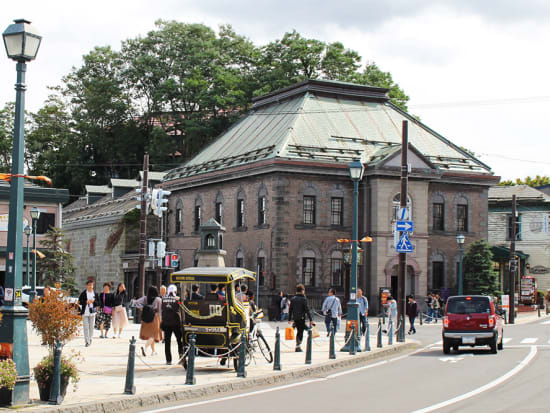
(473, 305)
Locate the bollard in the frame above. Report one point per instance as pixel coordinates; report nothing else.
(379, 335)
(129, 387)
(277, 359)
(390, 333)
(55, 391)
(309, 345)
(190, 374)
(547, 309)
(331, 350)
(242, 357)
(421, 317)
(538, 310)
(367, 338)
(401, 331)
(352, 341)
(383, 317)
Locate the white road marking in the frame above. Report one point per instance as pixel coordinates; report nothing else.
(486, 387)
(545, 322)
(438, 343)
(529, 340)
(506, 340)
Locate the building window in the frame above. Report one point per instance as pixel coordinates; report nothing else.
(220, 242)
(337, 271)
(197, 223)
(509, 227)
(239, 259)
(92, 246)
(262, 218)
(196, 261)
(179, 216)
(240, 213)
(438, 217)
(336, 211)
(308, 271)
(261, 270)
(309, 209)
(45, 222)
(219, 212)
(462, 218)
(210, 241)
(68, 246)
(437, 275)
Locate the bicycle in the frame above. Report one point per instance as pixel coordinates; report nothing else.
(257, 340)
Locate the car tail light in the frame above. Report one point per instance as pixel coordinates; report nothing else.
(491, 321)
(446, 322)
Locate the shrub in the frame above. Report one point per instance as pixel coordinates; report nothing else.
(8, 374)
(43, 371)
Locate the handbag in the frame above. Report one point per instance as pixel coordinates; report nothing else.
(315, 332)
(108, 310)
(289, 333)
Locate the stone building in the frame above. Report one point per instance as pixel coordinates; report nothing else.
(278, 181)
(533, 234)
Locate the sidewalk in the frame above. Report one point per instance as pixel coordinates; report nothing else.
(103, 371)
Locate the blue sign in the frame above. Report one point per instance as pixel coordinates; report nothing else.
(404, 244)
(404, 226)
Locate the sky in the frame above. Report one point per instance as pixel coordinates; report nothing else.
(476, 71)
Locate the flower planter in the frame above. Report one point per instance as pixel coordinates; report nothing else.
(5, 397)
(45, 388)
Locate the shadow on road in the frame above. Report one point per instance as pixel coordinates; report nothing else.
(438, 352)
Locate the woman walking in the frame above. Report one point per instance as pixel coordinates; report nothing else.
(120, 318)
(151, 305)
(105, 310)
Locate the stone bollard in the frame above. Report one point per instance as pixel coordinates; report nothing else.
(190, 374)
(277, 358)
(390, 333)
(331, 349)
(401, 331)
(309, 345)
(379, 335)
(352, 341)
(367, 337)
(55, 391)
(242, 357)
(129, 387)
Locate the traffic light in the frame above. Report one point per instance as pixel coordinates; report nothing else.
(159, 200)
(147, 197)
(171, 260)
(161, 249)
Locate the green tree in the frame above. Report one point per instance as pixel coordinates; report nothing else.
(479, 276)
(57, 266)
(532, 182)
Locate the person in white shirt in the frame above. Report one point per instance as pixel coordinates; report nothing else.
(332, 309)
(88, 301)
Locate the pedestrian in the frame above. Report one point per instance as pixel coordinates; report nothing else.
(221, 292)
(171, 322)
(195, 294)
(120, 318)
(412, 312)
(213, 294)
(547, 297)
(252, 308)
(435, 307)
(88, 301)
(151, 305)
(242, 296)
(298, 312)
(391, 308)
(363, 310)
(276, 307)
(162, 291)
(285, 307)
(105, 310)
(332, 309)
(428, 301)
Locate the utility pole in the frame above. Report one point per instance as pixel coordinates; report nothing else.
(402, 301)
(143, 225)
(513, 267)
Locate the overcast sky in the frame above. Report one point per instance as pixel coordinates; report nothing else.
(476, 71)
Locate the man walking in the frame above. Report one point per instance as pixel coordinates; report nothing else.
(171, 322)
(363, 310)
(412, 312)
(298, 312)
(332, 309)
(391, 306)
(88, 301)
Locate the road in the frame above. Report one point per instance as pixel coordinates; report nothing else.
(427, 380)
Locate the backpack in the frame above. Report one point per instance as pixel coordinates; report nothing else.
(148, 313)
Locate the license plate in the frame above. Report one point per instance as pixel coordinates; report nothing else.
(468, 340)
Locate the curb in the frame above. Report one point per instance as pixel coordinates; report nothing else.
(124, 403)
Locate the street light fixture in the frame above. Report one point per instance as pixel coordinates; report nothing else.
(35, 215)
(356, 170)
(22, 42)
(28, 232)
(460, 241)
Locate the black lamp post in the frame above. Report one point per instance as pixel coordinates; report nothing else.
(28, 232)
(35, 215)
(22, 42)
(460, 241)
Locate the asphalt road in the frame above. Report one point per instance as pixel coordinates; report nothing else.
(472, 380)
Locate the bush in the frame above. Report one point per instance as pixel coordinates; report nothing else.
(43, 371)
(8, 374)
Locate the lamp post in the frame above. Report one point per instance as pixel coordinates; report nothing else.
(356, 170)
(460, 241)
(22, 42)
(28, 232)
(35, 215)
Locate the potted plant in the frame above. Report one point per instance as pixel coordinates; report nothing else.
(8, 377)
(56, 319)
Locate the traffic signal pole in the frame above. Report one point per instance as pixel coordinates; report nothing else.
(512, 267)
(143, 225)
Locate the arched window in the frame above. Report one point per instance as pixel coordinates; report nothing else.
(396, 205)
(438, 212)
(262, 205)
(337, 268)
(240, 221)
(239, 259)
(260, 267)
(462, 214)
(218, 209)
(308, 268)
(179, 217)
(198, 214)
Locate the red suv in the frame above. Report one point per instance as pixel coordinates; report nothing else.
(471, 320)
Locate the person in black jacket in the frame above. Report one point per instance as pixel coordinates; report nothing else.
(171, 322)
(105, 310)
(298, 312)
(412, 312)
(88, 301)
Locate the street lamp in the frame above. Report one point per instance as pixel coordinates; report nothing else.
(460, 241)
(35, 215)
(22, 42)
(356, 170)
(28, 232)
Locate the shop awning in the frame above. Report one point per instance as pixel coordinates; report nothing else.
(503, 253)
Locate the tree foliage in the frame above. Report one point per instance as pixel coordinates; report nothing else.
(532, 182)
(479, 276)
(57, 266)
